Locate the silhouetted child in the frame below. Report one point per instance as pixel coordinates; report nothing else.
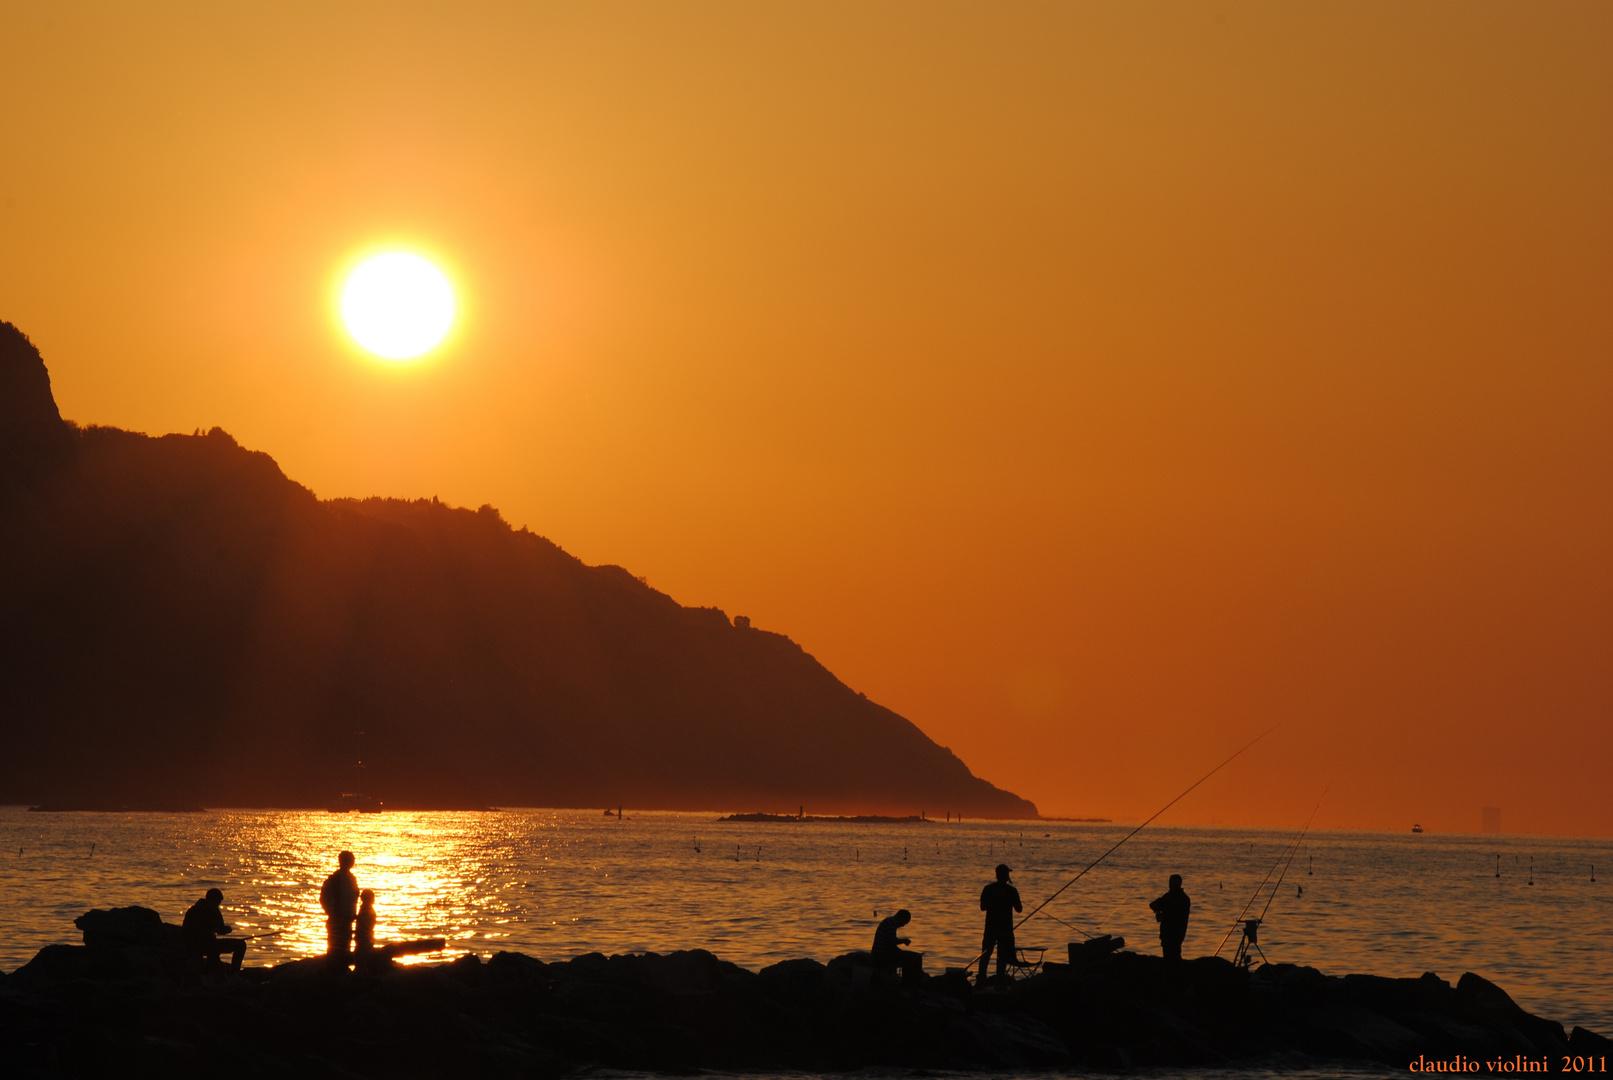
(364, 930)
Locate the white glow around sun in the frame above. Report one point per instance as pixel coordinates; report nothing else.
(397, 305)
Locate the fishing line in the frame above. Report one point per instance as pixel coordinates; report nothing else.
(1134, 832)
(1096, 926)
(1250, 904)
(1292, 850)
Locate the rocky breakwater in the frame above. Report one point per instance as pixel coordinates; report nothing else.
(127, 1003)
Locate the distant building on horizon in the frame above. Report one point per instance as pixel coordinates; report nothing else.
(742, 622)
(1492, 819)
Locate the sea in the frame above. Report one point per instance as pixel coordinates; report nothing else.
(1533, 914)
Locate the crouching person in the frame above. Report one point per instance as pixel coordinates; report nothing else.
(203, 929)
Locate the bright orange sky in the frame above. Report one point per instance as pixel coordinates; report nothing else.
(1095, 384)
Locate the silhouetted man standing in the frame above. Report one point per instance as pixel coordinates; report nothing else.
(1172, 910)
(203, 923)
(339, 897)
(887, 948)
(999, 901)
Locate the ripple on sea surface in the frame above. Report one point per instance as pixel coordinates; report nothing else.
(556, 883)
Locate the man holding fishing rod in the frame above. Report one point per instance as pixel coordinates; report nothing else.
(1171, 910)
(202, 925)
(999, 900)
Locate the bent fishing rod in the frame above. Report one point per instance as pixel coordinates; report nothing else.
(1291, 851)
(1134, 832)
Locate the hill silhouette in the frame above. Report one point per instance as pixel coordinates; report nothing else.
(184, 624)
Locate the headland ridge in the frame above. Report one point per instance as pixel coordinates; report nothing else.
(186, 626)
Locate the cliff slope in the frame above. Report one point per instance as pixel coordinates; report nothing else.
(182, 623)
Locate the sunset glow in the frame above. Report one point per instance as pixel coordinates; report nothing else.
(398, 305)
(1099, 382)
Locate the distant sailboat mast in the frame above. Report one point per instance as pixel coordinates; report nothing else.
(357, 799)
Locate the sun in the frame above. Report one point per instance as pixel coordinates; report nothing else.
(397, 305)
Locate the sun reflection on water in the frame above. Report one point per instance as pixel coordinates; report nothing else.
(556, 883)
(428, 872)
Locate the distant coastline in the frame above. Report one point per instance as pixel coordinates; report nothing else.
(798, 819)
(882, 819)
(118, 808)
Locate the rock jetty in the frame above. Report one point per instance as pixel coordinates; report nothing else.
(125, 1003)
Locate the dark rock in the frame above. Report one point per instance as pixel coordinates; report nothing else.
(33, 438)
(95, 1009)
(1582, 1042)
(61, 963)
(795, 975)
(1495, 1009)
(122, 926)
(1349, 1031)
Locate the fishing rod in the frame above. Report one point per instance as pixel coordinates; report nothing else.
(1134, 832)
(1250, 904)
(1095, 926)
(1141, 827)
(252, 937)
(1292, 850)
(1291, 855)
(1071, 925)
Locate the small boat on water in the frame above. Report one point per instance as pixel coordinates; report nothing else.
(1417, 828)
(357, 800)
(354, 800)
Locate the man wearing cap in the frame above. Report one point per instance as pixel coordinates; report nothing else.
(999, 900)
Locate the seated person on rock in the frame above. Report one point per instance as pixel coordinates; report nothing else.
(203, 924)
(887, 951)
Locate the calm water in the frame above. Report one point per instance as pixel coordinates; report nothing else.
(557, 883)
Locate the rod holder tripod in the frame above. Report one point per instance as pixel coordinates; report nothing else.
(1249, 944)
